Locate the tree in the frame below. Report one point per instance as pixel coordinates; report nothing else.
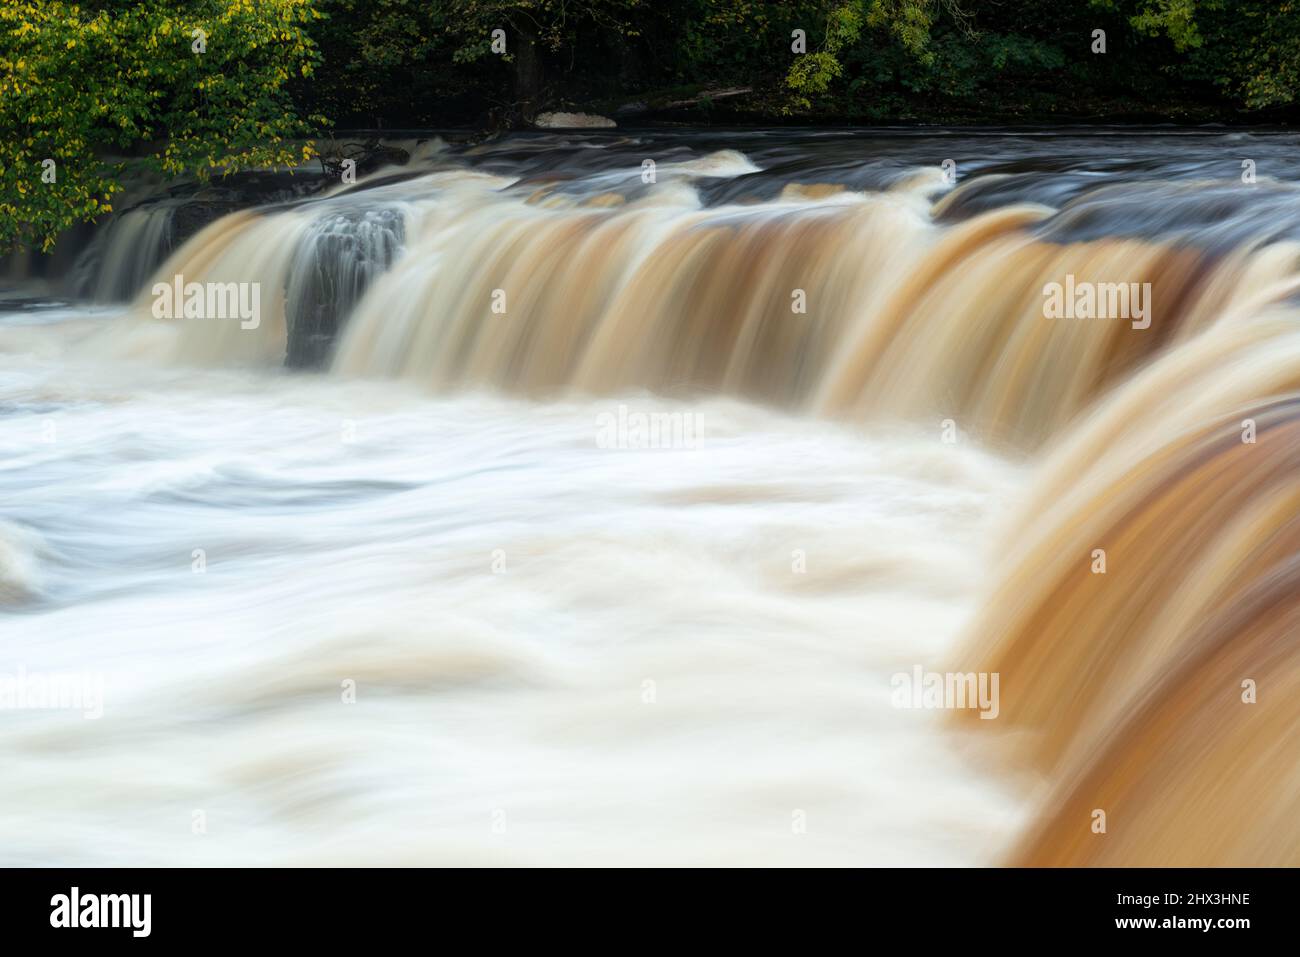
(535, 30)
(197, 87)
(908, 21)
(1248, 48)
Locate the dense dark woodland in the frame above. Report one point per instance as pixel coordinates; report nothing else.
(209, 87)
(867, 61)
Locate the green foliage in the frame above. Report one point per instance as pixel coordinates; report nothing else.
(813, 72)
(909, 21)
(1251, 50)
(1032, 55)
(79, 81)
(1172, 18)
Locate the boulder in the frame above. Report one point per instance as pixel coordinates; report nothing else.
(573, 121)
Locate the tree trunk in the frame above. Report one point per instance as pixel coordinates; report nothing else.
(528, 70)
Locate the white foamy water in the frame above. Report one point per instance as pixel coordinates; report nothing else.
(562, 653)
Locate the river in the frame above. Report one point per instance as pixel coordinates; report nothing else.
(580, 498)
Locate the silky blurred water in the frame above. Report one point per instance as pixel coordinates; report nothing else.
(410, 619)
(562, 653)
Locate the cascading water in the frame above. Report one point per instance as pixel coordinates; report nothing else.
(126, 252)
(884, 451)
(333, 267)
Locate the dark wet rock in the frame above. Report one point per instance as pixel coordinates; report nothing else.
(334, 266)
(367, 157)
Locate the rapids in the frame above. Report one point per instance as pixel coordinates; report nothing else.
(371, 581)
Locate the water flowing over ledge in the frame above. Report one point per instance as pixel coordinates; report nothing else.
(914, 298)
(830, 302)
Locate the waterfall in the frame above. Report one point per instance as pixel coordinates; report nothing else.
(1101, 350)
(123, 255)
(1133, 678)
(858, 305)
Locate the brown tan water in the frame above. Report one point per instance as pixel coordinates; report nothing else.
(605, 508)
